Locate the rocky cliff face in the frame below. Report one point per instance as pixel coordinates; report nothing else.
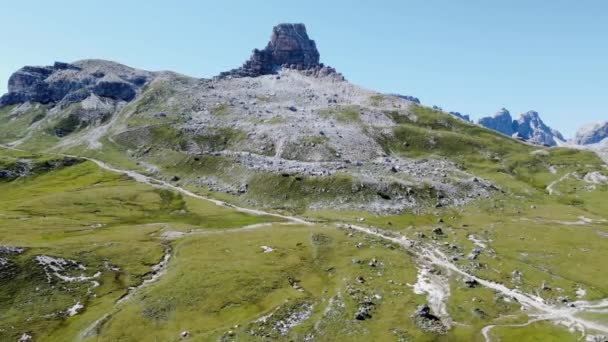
(528, 127)
(531, 128)
(289, 47)
(501, 122)
(69, 83)
(591, 134)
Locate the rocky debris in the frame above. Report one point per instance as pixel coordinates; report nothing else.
(64, 269)
(428, 322)
(438, 231)
(360, 280)
(591, 134)
(373, 263)
(366, 306)
(71, 83)
(595, 177)
(544, 286)
(470, 283)
(25, 337)
(184, 334)
(295, 284)
(528, 127)
(289, 47)
(8, 249)
(282, 320)
(364, 311)
(474, 253)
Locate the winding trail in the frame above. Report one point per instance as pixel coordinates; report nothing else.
(138, 177)
(550, 189)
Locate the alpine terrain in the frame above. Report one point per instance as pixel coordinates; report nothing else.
(279, 201)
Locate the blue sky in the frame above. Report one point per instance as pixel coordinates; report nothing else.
(468, 56)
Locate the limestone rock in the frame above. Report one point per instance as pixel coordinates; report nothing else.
(531, 128)
(69, 83)
(591, 134)
(289, 47)
(528, 127)
(501, 122)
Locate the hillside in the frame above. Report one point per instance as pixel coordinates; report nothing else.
(278, 201)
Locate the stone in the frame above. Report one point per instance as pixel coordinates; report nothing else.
(423, 310)
(470, 283)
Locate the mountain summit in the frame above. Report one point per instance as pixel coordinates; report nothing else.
(289, 47)
(528, 127)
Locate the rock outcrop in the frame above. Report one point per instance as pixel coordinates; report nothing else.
(528, 127)
(289, 47)
(70, 83)
(591, 134)
(501, 122)
(531, 128)
(461, 116)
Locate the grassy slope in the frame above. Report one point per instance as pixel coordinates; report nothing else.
(58, 213)
(564, 256)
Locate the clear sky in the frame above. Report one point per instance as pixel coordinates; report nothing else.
(468, 56)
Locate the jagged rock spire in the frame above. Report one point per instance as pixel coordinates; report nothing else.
(289, 47)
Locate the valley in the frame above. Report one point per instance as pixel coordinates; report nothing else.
(278, 201)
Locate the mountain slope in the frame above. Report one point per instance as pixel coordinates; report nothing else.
(591, 134)
(375, 218)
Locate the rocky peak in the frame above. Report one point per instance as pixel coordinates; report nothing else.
(528, 127)
(501, 122)
(591, 134)
(289, 47)
(69, 83)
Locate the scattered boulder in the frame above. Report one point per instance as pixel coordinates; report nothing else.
(470, 283)
(428, 322)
